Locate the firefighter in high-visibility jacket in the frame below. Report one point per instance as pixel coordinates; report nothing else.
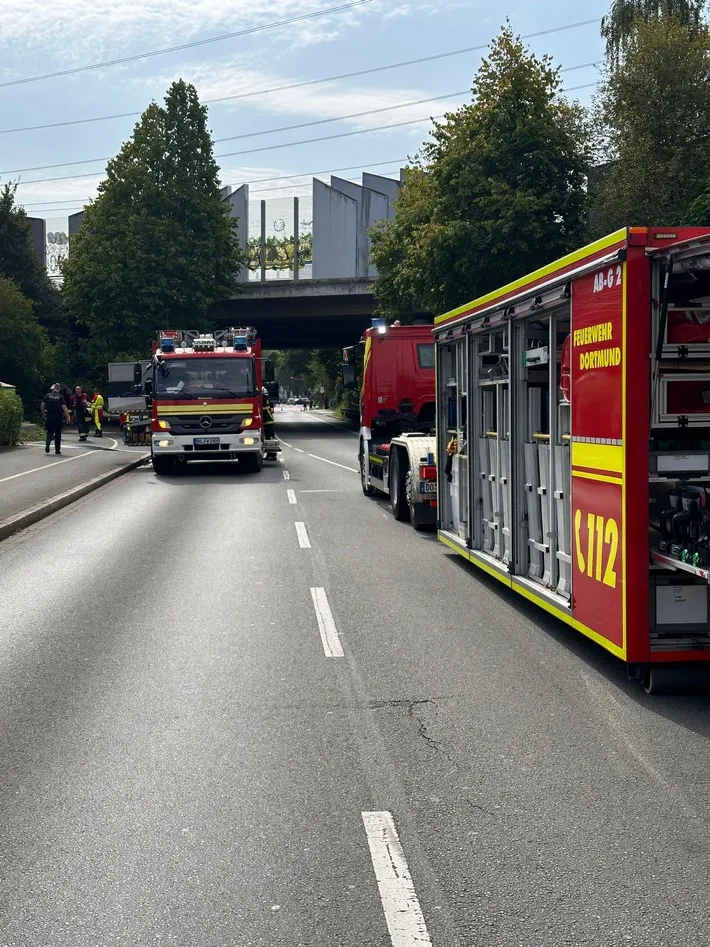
(97, 412)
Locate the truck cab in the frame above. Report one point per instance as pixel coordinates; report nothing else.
(397, 418)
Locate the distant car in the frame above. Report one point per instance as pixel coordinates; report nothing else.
(291, 401)
(302, 401)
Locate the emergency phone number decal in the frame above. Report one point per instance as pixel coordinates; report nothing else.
(597, 573)
(596, 545)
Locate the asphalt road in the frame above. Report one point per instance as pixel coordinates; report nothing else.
(28, 475)
(183, 764)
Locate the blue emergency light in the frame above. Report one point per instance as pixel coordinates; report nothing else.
(240, 343)
(380, 325)
(167, 345)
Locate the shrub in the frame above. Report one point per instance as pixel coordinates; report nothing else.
(11, 415)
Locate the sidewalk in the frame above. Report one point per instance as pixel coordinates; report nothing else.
(26, 480)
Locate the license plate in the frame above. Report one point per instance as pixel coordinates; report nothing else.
(201, 441)
(427, 486)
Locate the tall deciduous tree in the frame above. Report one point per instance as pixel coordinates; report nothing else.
(499, 191)
(26, 357)
(619, 24)
(20, 263)
(158, 246)
(653, 123)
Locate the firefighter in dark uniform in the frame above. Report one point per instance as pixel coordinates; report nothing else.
(80, 405)
(268, 412)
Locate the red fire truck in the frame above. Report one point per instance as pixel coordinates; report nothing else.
(205, 396)
(397, 418)
(578, 401)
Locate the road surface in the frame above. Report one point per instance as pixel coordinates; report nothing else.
(28, 476)
(220, 727)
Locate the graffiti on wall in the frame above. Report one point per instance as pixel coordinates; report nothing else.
(56, 246)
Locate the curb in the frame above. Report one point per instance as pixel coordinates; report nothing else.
(34, 514)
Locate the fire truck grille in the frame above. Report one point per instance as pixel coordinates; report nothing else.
(189, 424)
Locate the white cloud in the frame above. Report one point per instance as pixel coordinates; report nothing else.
(75, 26)
(323, 101)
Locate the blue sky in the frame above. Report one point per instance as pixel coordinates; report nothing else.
(38, 37)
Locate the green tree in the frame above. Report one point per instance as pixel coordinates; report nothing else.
(20, 263)
(653, 127)
(619, 25)
(499, 191)
(26, 357)
(158, 247)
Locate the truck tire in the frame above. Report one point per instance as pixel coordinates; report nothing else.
(419, 514)
(251, 463)
(368, 490)
(397, 485)
(163, 466)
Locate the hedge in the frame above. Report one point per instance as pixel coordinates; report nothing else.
(11, 415)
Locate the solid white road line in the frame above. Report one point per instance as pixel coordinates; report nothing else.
(302, 533)
(55, 463)
(287, 475)
(403, 914)
(326, 625)
(338, 424)
(300, 450)
(291, 494)
(326, 461)
(285, 443)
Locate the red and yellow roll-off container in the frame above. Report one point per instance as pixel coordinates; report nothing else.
(576, 404)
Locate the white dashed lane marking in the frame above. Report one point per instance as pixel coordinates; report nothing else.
(291, 494)
(302, 533)
(326, 624)
(287, 475)
(326, 461)
(403, 914)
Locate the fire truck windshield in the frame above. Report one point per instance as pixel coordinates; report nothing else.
(205, 378)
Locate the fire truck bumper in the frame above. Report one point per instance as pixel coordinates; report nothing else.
(224, 447)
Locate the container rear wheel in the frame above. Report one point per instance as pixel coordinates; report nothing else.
(397, 485)
(419, 513)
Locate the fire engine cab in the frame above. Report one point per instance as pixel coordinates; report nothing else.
(577, 399)
(397, 445)
(205, 396)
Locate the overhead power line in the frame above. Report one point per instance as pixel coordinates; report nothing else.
(286, 128)
(181, 46)
(310, 82)
(287, 144)
(267, 131)
(282, 177)
(79, 205)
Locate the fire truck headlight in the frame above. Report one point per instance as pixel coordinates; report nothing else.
(247, 422)
(164, 443)
(163, 425)
(248, 440)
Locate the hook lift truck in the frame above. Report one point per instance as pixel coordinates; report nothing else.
(206, 395)
(397, 418)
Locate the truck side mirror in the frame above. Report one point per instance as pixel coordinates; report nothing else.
(268, 370)
(137, 376)
(349, 377)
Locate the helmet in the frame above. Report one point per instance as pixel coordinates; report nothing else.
(264, 392)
